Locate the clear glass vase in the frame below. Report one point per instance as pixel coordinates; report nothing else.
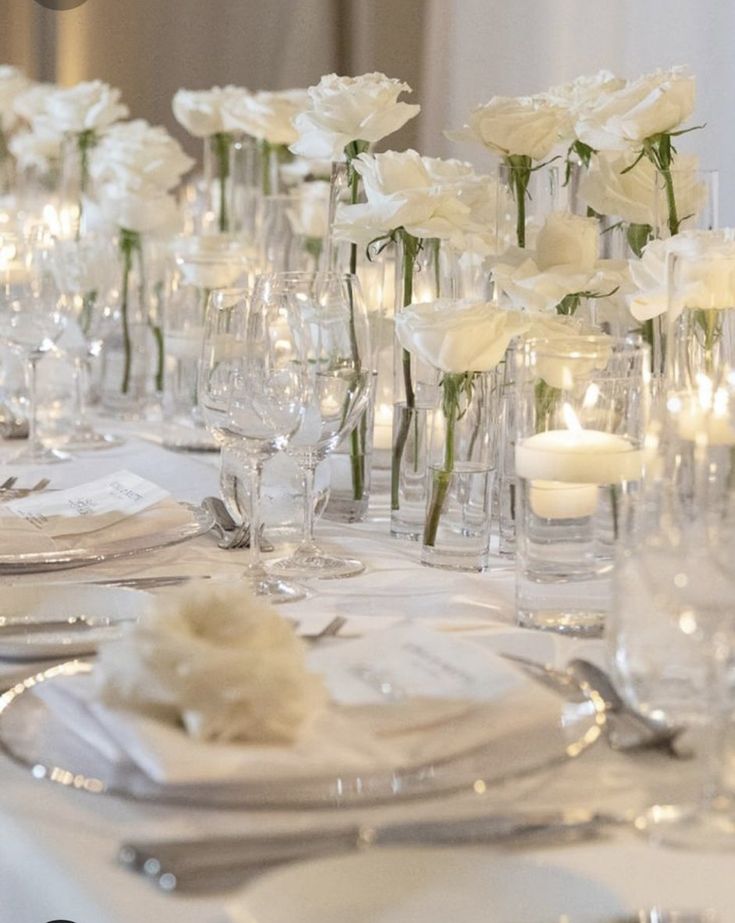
(131, 334)
(74, 198)
(425, 271)
(456, 533)
(523, 202)
(218, 183)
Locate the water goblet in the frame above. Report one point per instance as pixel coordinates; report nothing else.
(253, 392)
(340, 372)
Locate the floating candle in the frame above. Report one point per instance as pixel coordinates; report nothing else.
(579, 456)
(557, 500)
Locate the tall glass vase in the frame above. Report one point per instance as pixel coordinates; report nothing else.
(132, 329)
(74, 184)
(425, 271)
(218, 182)
(245, 183)
(525, 196)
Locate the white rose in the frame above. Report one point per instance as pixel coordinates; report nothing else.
(309, 213)
(568, 240)
(458, 336)
(584, 91)
(201, 112)
(347, 109)
(656, 103)
(429, 197)
(90, 106)
(12, 83)
(135, 211)
(637, 196)
(705, 278)
(526, 125)
(35, 149)
(266, 116)
(31, 102)
(140, 157)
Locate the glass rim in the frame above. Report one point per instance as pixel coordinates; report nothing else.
(573, 346)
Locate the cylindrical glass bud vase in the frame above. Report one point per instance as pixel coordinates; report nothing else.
(425, 272)
(218, 182)
(525, 196)
(74, 184)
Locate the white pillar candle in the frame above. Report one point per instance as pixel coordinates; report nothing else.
(383, 431)
(578, 456)
(557, 500)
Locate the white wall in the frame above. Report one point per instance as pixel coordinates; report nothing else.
(480, 48)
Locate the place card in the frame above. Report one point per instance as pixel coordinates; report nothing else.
(89, 506)
(408, 662)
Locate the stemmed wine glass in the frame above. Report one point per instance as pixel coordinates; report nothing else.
(336, 328)
(253, 390)
(31, 320)
(84, 271)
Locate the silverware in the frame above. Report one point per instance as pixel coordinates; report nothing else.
(148, 583)
(330, 630)
(8, 483)
(215, 863)
(11, 425)
(231, 535)
(628, 729)
(17, 493)
(74, 623)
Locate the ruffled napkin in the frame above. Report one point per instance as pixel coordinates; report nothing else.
(397, 699)
(118, 508)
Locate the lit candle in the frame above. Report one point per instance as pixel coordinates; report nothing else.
(383, 431)
(557, 500)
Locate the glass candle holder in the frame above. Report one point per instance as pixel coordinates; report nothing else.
(582, 407)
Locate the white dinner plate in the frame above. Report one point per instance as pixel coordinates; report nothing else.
(22, 607)
(425, 886)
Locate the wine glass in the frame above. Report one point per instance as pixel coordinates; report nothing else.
(253, 390)
(31, 320)
(84, 271)
(336, 330)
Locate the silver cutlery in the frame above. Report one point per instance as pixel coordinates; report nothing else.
(231, 535)
(8, 483)
(74, 623)
(216, 863)
(9, 492)
(148, 583)
(628, 728)
(11, 425)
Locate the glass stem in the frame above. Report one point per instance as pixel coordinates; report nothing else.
(255, 471)
(33, 441)
(80, 397)
(308, 471)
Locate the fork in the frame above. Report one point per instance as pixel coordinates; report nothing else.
(17, 493)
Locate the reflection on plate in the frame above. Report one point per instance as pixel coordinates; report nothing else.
(195, 521)
(75, 619)
(425, 886)
(485, 744)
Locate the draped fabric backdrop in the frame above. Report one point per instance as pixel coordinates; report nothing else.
(455, 53)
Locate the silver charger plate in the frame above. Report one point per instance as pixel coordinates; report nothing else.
(39, 562)
(33, 736)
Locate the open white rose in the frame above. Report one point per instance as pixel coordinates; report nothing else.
(655, 103)
(347, 109)
(201, 112)
(89, 106)
(266, 116)
(35, 149)
(525, 125)
(144, 212)
(583, 92)
(220, 661)
(458, 336)
(568, 240)
(31, 102)
(429, 197)
(13, 82)
(705, 277)
(637, 196)
(309, 213)
(140, 157)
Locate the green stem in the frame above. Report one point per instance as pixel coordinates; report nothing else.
(129, 243)
(357, 443)
(265, 166)
(520, 167)
(86, 140)
(452, 386)
(673, 219)
(222, 142)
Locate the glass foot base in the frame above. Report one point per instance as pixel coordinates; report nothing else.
(90, 439)
(276, 590)
(317, 564)
(701, 827)
(41, 455)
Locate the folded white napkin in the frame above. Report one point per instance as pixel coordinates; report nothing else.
(342, 738)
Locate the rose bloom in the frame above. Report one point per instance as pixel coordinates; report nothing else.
(583, 92)
(706, 280)
(458, 336)
(12, 83)
(35, 149)
(201, 112)
(31, 102)
(429, 197)
(526, 125)
(653, 104)
(568, 240)
(139, 156)
(144, 212)
(266, 116)
(347, 109)
(637, 196)
(90, 106)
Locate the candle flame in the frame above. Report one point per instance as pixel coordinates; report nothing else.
(591, 396)
(571, 420)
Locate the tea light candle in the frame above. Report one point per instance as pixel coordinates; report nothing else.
(557, 500)
(578, 456)
(383, 432)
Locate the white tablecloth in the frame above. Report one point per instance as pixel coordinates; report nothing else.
(57, 847)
